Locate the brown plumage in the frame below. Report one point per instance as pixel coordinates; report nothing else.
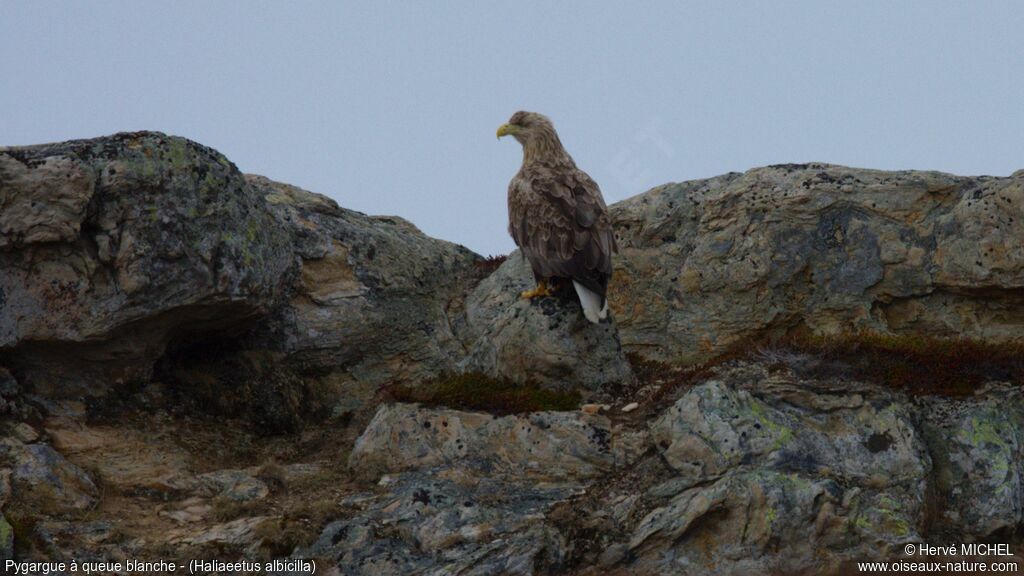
(558, 217)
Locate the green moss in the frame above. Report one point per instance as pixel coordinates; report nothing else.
(210, 185)
(474, 391)
(142, 169)
(889, 519)
(23, 528)
(6, 539)
(177, 153)
(245, 248)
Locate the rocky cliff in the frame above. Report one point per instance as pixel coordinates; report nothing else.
(807, 365)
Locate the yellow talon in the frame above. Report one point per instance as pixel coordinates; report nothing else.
(542, 289)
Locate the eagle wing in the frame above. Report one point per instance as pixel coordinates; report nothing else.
(560, 221)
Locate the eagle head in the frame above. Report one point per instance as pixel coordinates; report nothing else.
(527, 126)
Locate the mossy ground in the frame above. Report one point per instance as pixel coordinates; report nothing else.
(474, 391)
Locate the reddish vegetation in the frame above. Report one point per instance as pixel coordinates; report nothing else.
(489, 264)
(475, 391)
(920, 365)
(671, 379)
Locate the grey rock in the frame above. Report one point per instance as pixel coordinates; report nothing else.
(432, 523)
(24, 432)
(542, 445)
(978, 448)
(466, 493)
(782, 476)
(762, 520)
(374, 300)
(243, 533)
(233, 484)
(44, 201)
(253, 297)
(543, 340)
(716, 427)
(708, 263)
(111, 246)
(44, 481)
(117, 249)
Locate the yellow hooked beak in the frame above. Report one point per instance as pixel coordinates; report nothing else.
(506, 129)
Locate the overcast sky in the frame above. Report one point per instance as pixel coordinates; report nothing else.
(392, 108)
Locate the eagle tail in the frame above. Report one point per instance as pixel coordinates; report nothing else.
(595, 307)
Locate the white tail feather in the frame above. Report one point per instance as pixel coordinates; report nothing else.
(593, 308)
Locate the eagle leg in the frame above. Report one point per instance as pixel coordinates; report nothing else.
(542, 289)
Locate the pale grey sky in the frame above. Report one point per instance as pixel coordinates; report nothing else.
(391, 108)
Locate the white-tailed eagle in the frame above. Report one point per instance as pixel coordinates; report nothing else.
(557, 216)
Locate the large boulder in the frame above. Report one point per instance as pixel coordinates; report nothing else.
(541, 445)
(111, 247)
(708, 263)
(464, 492)
(375, 300)
(796, 475)
(366, 301)
(116, 249)
(438, 523)
(543, 341)
(715, 427)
